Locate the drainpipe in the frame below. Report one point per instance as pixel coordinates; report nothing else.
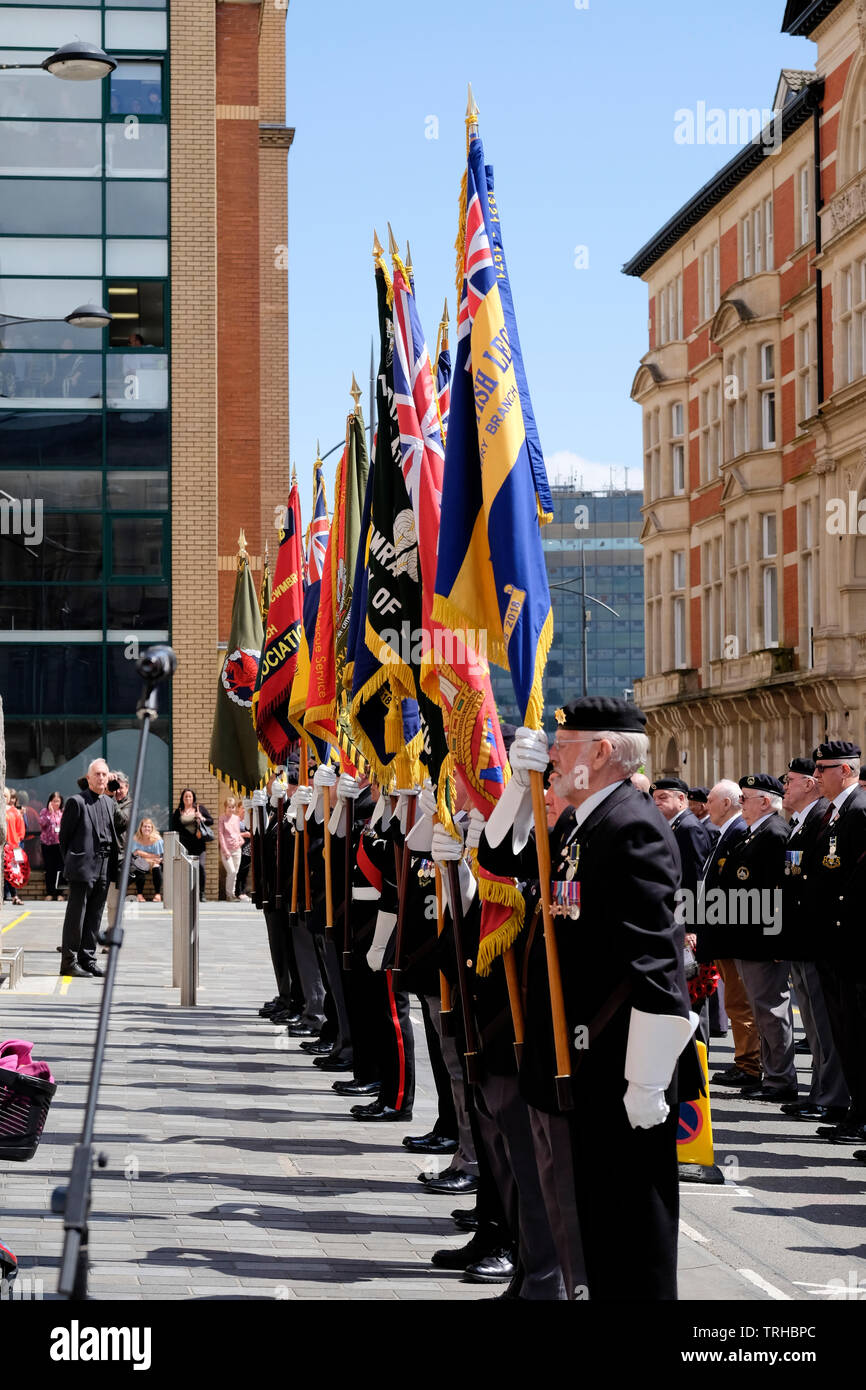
(818, 93)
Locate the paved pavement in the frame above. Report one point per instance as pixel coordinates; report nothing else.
(235, 1171)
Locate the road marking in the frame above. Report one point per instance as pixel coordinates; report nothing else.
(693, 1234)
(760, 1283)
(19, 918)
(65, 983)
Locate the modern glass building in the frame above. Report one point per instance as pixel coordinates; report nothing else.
(592, 546)
(131, 455)
(85, 449)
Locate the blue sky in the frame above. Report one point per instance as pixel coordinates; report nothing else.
(577, 117)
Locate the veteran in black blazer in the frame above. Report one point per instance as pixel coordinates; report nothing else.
(615, 871)
(89, 845)
(694, 837)
(834, 873)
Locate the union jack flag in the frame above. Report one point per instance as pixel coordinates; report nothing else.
(421, 449)
(317, 532)
(443, 384)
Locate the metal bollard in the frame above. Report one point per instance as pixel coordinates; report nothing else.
(178, 914)
(171, 844)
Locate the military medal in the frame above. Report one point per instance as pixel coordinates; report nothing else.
(742, 873)
(565, 898)
(573, 859)
(793, 861)
(720, 863)
(831, 860)
(426, 870)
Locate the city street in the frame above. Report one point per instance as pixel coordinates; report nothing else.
(235, 1172)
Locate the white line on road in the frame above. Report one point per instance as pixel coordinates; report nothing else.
(760, 1283)
(693, 1234)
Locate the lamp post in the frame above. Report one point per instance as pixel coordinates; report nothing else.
(78, 61)
(85, 316)
(566, 584)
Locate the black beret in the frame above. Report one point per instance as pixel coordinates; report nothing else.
(699, 794)
(674, 784)
(804, 765)
(836, 748)
(600, 713)
(763, 782)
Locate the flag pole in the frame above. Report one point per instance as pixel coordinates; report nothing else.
(308, 899)
(446, 1017)
(349, 806)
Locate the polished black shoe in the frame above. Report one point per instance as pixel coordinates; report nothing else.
(496, 1268)
(845, 1130)
(466, 1220)
(74, 969)
(451, 1183)
(317, 1049)
(734, 1076)
(93, 969)
(774, 1095)
(464, 1255)
(804, 1110)
(860, 1155)
(333, 1063)
(849, 1136)
(267, 1009)
(283, 1017)
(302, 1030)
(380, 1112)
(356, 1088)
(803, 1048)
(430, 1144)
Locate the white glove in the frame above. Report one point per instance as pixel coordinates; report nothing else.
(513, 811)
(645, 1106)
(381, 812)
(427, 803)
(444, 846)
(655, 1041)
(528, 753)
(260, 797)
(476, 826)
(348, 787)
(302, 796)
(278, 790)
(386, 923)
(325, 776)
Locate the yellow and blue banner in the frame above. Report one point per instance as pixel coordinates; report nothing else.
(491, 574)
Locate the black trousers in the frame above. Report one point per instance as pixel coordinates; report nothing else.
(337, 1029)
(140, 876)
(52, 858)
(446, 1120)
(626, 1186)
(81, 922)
(282, 954)
(363, 988)
(844, 986)
(397, 1057)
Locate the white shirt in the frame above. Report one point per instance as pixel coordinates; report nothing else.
(760, 821)
(581, 812)
(728, 823)
(839, 801)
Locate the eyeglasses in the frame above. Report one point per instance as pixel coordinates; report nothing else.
(825, 767)
(562, 739)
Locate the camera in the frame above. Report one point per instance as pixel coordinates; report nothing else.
(113, 784)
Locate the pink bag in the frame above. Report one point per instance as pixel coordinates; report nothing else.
(17, 1055)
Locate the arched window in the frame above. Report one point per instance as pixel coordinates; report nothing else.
(853, 134)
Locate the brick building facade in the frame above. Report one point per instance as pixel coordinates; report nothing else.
(753, 393)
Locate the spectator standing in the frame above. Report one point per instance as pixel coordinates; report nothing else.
(192, 824)
(147, 855)
(88, 841)
(16, 829)
(49, 835)
(118, 788)
(232, 834)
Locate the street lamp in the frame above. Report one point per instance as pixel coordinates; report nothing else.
(85, 316)
(566, 584)
(78, 61)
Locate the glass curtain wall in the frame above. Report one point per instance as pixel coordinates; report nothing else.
(84, 413)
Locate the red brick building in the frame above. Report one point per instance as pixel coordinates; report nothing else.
(753, 392)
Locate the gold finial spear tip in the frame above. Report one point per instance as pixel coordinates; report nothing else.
(378, 248)
(242, 542)
(445, 318)
(471, 108)
(408, 257)
(355, 392)
(294, 475)
(392, 245)
(318, 452)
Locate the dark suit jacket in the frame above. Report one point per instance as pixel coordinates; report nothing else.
(626, 937)
(79, 840)
(708, 879)
(746, 916)
(834, 895)
(694, 841)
